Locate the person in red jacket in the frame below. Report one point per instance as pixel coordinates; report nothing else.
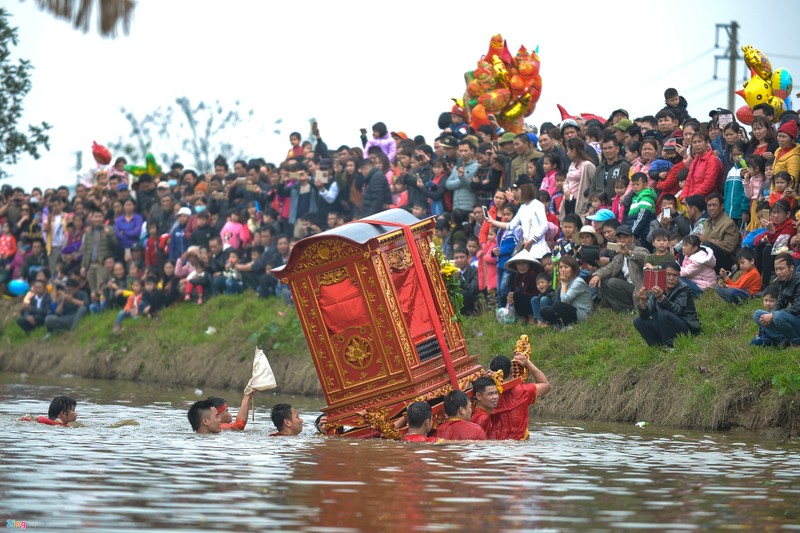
(704, 171)
(510, 418)
(457, 426)
(60, 413)
(420, 422)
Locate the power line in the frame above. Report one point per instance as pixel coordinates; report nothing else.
(679, 67)
(715, 93)
(782, 56)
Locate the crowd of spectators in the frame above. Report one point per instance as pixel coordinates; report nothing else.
(543, 225)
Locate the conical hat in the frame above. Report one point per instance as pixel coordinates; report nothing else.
(522, 255)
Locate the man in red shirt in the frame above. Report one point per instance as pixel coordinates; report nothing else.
(510, 418)
(420, 423)
(486, 398)
(225, 418)
(286, 420)
(458, 427)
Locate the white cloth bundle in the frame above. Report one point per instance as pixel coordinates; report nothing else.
(263, 378)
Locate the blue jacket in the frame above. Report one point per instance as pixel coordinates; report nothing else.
(178, 243)
(508, 241)
(736, 201)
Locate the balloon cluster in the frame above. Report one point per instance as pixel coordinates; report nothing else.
(766, 86)
(505, 86)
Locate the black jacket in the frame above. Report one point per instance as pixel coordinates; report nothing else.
(789, 297)
(678, 301)
(376, 193)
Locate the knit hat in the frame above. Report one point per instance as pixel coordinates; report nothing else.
(790, 129)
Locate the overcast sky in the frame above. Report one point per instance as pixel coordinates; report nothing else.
(351, 64)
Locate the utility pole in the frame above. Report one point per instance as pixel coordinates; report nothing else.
(732, 56)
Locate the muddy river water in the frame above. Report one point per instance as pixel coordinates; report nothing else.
(571, 476)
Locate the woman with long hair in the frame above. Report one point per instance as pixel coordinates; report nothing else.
(573, 298)
(579, 178)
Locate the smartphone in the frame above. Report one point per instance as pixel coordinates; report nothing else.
(614, 246)
(294, 175)
(485, 213)
(667, 212)
(321, 176)
(239, 181)
(459, 162)
(724, 120)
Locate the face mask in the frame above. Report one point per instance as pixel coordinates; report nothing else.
(173, 183)
(199, 208)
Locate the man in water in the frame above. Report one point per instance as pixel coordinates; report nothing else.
(510, 418)
(204, 418)
(420, 422)
(225, 417)
(457, 426)
(486, 398)
(286, 420)
(60, 413)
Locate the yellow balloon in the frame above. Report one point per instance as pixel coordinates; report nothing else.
(757, 61)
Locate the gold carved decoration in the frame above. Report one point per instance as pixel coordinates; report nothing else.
(358, 353)
(400, 259)
(322, 252)
(523, 346)
(333, 276)
(378, 418)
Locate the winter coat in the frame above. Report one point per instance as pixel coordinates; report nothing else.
(722, 233)
(704, 173)
(736, 200)
(579, 296)
(376, 193)
(385, 143)
(699, 267)
(463, 197)
(532, 218)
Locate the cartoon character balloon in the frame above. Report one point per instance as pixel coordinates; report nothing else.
(765, 86)
(151, 167)
(502, 85)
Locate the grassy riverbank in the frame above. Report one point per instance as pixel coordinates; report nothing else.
(601, 370)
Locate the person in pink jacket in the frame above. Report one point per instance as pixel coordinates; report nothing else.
(381, 139)
(705, 169)
(697, 269)
(487, 263)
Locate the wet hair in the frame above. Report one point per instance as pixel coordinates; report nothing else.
(59, 405)
(216, 401)
(501, 362)
(661, 232)
(281, 412)
(417, 413)
(454, 401)
(197, 411)
(480, 384)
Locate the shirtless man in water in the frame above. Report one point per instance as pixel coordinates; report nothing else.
(204, 418)
(286, 420)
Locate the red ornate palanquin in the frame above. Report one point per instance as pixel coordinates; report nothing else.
(369, 309)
